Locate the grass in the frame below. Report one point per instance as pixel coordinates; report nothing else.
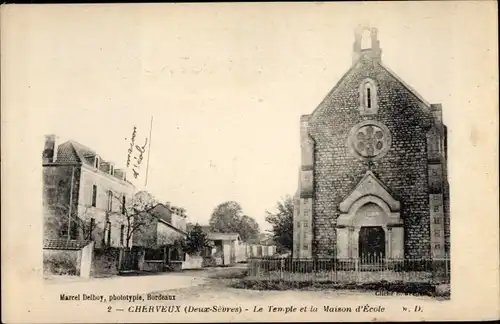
(229, 273)
(417, 289)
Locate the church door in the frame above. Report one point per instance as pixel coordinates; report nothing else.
(371, 244)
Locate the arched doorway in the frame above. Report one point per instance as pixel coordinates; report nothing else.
(371, 244)
(371, 221)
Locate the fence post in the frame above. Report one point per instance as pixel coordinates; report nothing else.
(281, 269)
(446, 273)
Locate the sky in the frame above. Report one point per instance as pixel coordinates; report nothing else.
(226, 84)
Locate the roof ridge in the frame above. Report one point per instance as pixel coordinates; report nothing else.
(77, 154)
(410, 89)
(313, 113)
(406, 85)
(79, 146)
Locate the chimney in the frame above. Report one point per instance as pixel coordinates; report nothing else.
(374, 52)
(49, 154)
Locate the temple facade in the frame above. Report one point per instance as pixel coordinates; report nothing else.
(373, 174)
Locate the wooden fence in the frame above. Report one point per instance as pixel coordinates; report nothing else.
(359, 270)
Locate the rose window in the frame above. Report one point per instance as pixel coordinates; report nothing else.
(370, 140)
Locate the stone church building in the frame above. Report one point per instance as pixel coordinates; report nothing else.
(373, 175)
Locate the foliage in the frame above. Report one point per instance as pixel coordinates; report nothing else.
(79, 217)
(230, 273)
(282, 224)
(228, 217)
(60, 264)
(195, 242)
(410, 289)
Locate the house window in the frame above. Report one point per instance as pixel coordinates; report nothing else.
(306, 224)
(437, 233)
(110, 201)
(94, 195)
(97, 162)
(437, 220)
(111, 169)
(123, 205)
(437, 246)
(91, 229)
(109, 233)
(436, 209)
(122, 232)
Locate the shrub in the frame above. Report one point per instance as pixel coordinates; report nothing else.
(230, 274)
(406, 288)
(60, 264)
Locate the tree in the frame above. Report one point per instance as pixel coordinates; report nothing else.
(248, 228)
(78, 221)
(195, 242)
(282, 224)
(228, 217)
(133, 215)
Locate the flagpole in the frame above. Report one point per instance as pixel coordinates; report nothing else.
(149, 151)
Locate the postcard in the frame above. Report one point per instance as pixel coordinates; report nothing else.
(245, 162)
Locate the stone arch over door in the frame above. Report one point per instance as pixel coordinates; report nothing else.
(369, 205)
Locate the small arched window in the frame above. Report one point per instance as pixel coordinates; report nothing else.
(368, 97)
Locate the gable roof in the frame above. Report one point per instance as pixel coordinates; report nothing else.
(406, 85)
(162, 212)
(164, 215)
(330, 94)
(63, 244)
(369, 185)
(74, 152)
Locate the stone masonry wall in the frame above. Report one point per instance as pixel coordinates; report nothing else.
(56, 200)
(403, 169)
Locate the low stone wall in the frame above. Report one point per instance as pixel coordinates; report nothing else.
(105, 262)
(176, 265)
(154, 265)
(62, 262)
(208, 262)
(192, 262)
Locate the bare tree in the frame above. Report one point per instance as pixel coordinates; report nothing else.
(75, 222)
(134, 215)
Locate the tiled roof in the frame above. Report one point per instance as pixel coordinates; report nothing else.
(160, 211)
(74, 152)
(84, 153)
(66, 153)
(62, 244)
(163, 213)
